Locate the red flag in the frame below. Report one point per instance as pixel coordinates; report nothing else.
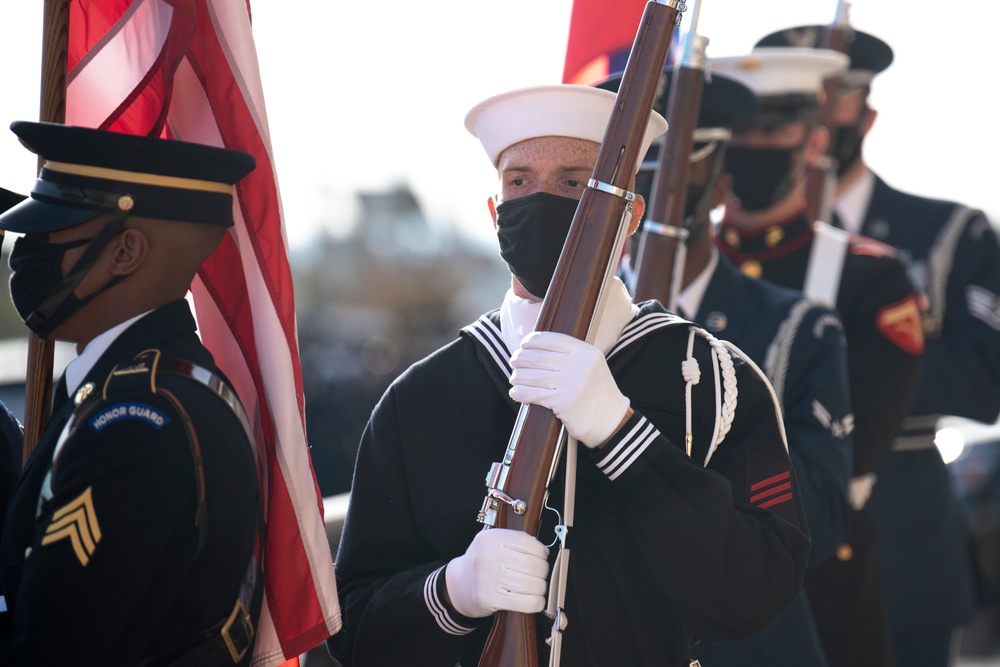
(601, 33)
(187, 70)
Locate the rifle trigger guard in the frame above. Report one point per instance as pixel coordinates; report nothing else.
(611, 189)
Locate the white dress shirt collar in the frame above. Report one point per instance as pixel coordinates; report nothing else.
(518, 317)
(852, 204)
(77, 369)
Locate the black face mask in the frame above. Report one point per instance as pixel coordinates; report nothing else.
(36, 278)
(761, 176)
(847, 147)
(532, 231)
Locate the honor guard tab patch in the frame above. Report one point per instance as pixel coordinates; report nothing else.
(902, 324)
(138, 411)
(76, 521)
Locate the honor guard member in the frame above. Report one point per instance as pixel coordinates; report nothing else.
(133, 536)
(954, 261)
(11, 434)
(665, 545)
(798, 343)
(766, 232)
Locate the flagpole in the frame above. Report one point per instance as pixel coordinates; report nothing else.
(52, 109)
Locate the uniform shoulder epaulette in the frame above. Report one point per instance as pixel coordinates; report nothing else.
(869, 247)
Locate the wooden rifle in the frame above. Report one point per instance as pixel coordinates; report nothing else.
(658, 273)
(517, 486)
(52, 109)
(821, 178)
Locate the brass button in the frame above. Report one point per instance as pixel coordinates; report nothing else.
(731, 237)
(845, 552)
(752, 268)
(716, 322)
(773, 236)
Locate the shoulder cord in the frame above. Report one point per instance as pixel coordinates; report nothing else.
(939, 263)
(779, 352)
(725, 397)
(726, 390)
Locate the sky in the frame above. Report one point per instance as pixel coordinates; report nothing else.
(370, 95)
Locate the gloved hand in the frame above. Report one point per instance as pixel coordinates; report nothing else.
(571, 378)
(503, 569)
(861, 490)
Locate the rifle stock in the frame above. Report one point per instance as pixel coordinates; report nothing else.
(656, 260)
(662, 233)
(517, 486)
(52, 108)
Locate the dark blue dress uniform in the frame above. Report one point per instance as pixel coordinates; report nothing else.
(11, 438)
(954, 260)
(800, 345)
(11, 434)
(878, 307)
(664, 548)
(134, 535)
(108, 556)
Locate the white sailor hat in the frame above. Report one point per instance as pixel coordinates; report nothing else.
(563, 110)
(788, 81)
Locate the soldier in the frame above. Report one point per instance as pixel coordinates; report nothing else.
(767, 233)
(665, 544)
(133, 536)
(11, 434)
(954, 261)
(799, 344)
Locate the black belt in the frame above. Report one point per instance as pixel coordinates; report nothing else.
(917, 434)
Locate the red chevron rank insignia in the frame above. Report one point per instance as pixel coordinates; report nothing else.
(77, 522)
(901, 323)
(772, 491)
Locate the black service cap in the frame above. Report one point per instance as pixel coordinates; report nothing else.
(86, 172)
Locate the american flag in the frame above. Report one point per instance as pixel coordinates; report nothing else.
(187, 70)
(601, 33)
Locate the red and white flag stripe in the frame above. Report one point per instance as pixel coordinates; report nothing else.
(187, 70)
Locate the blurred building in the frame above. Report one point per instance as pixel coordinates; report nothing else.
(372, 303)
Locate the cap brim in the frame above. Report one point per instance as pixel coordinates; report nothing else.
(32, 216)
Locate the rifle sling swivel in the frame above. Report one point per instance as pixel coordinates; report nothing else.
(611, 189)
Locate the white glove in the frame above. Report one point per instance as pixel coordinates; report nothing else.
(571, 378)
(861, 490)
(503, 569)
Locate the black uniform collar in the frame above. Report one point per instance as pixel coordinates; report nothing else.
(169, 321)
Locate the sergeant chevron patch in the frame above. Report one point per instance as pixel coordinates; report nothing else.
(900, 322)
(77, 522)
